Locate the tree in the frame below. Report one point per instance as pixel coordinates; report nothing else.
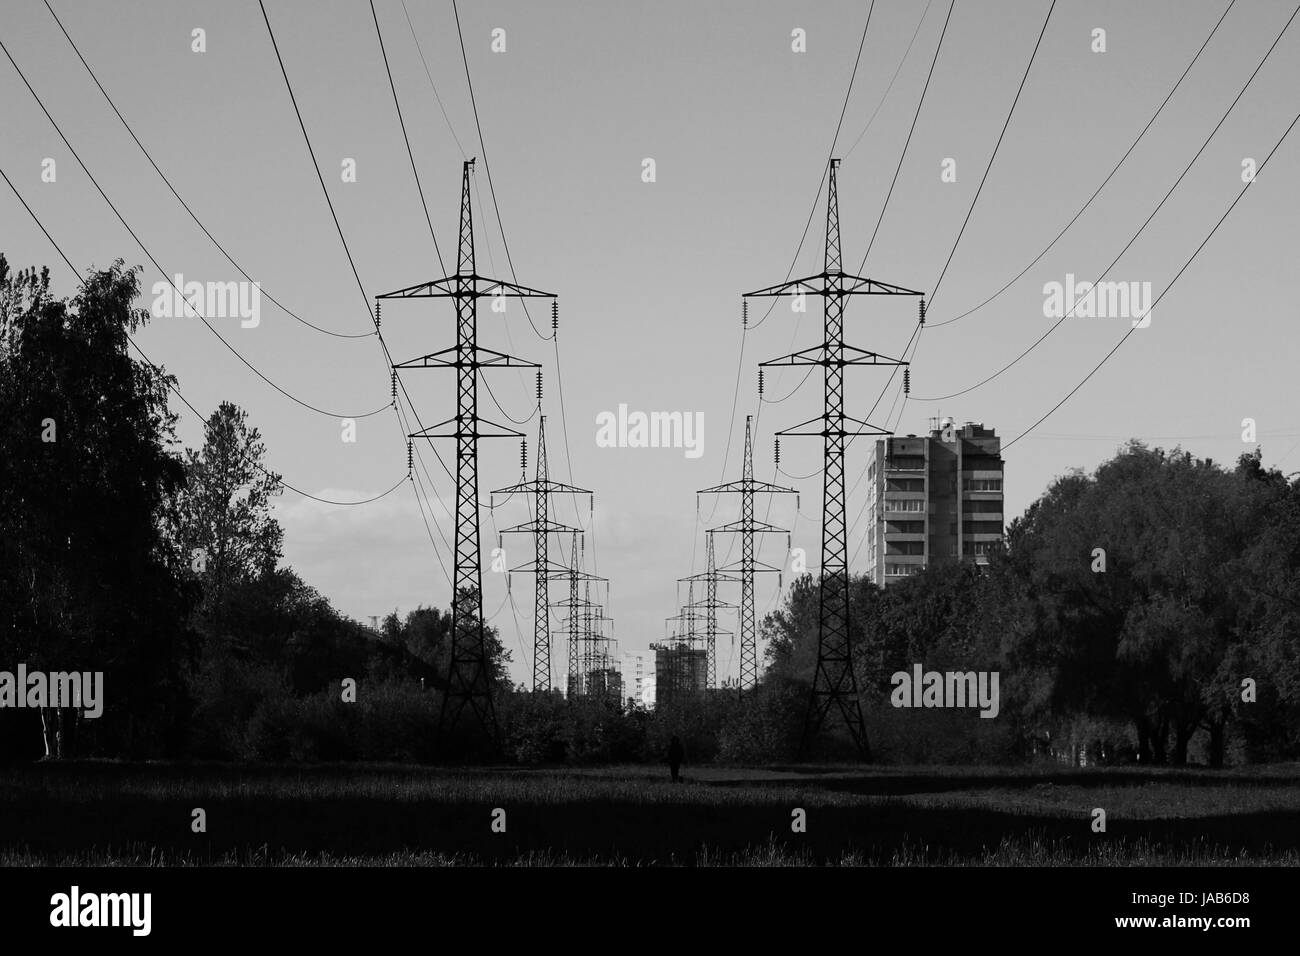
(1269, 575)
(85, 465)
(1136, 579)
(426, 635)
(220, 521)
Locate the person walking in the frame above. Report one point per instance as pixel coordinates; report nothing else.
(675, 755)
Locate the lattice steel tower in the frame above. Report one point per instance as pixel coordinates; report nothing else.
(748, 565)
(577, 621)
(711, 577)
(469, 680)
(541, 528)
(834, 682)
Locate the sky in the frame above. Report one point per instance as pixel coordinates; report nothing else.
(650, 275)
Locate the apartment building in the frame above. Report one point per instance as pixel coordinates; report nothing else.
(933, 498)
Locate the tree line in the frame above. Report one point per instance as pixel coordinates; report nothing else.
(1146, 612)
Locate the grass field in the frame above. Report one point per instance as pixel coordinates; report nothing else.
(140, 815)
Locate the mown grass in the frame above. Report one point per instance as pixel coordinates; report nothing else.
(112, 814)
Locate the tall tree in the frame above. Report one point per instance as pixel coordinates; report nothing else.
(1135, 579)
(85, 583)
(220, 522)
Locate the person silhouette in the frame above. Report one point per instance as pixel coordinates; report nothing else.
(675, 755)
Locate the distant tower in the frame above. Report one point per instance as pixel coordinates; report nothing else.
(541, 528)
(711, 577)
(747, 527)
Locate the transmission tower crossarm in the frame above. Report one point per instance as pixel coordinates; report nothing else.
(715, 575)
(549, 569)
(742, 526)
(471, 286)
(467, 358)
(536, 527)
(544, 487)
(824, 425)
(756, 567)
(821, 284)
(748, 485)
(827, 354)
(461, 432)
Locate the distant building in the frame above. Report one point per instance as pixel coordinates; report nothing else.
(648, 686)
(606, 683)
(681, 671)
(634, 679)
(933, 499)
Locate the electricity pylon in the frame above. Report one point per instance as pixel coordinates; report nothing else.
(575, 621)
(711, 577)
(748, 565)
(686, 618)
(469, 680)
(680, 671)
(594, 652)
(541, 528)
(834, 683)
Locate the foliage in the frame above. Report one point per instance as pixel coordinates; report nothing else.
(85, 582)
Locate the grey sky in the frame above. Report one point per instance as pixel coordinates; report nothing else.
(650, 275)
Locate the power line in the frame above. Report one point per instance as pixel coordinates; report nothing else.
(902, 156)
(424, 205)
(726, 457)
(1052, 328)
(419, 186)
(149, 255)
(554, 336)
(934, 292)
(419, 49)
(1135, 327)
(915, 116)
(885, 95)
(229, 258)
(168, 379)
(339, 228)
(315, 164)
(1132, 146)
(487, 166)
(501, 409)
(226, 254)
(406, 429)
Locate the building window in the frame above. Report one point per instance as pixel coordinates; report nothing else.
(905, 527)
(905, 484)
(901, 570)
(904, 547)
(907, 463)
(983, 484)
(981, 547)
(915, 506)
